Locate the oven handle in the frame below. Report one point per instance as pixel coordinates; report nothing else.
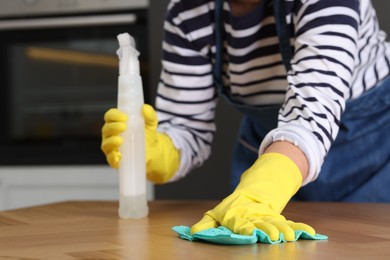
(78, 21)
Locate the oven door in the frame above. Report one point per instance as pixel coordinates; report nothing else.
(58, 76)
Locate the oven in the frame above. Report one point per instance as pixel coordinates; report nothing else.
(58, 75)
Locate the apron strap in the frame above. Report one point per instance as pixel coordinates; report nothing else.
(283, 32)
(219, 36)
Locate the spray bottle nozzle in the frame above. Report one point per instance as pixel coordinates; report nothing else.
(128, 55)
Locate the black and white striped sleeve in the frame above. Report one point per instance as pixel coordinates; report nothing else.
(325, 45)
(186, 98)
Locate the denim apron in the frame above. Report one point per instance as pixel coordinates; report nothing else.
(357, 167)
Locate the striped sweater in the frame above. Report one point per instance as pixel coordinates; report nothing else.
(338, 53)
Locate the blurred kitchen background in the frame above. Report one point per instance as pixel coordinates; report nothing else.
(58, 74)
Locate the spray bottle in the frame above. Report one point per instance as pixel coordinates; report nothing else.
(132, 169)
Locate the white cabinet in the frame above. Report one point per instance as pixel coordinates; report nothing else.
(33, 185)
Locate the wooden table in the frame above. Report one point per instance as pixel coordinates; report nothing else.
(92, 230)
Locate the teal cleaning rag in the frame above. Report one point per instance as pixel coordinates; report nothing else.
(222, 235)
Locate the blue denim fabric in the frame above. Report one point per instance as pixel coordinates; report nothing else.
(357, 167)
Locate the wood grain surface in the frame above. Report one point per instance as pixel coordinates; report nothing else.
(92, 230)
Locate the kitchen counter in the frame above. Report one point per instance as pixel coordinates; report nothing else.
(92, 230)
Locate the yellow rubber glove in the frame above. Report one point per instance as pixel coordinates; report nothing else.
(115, 123)
(162, 158)
(263, 192)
